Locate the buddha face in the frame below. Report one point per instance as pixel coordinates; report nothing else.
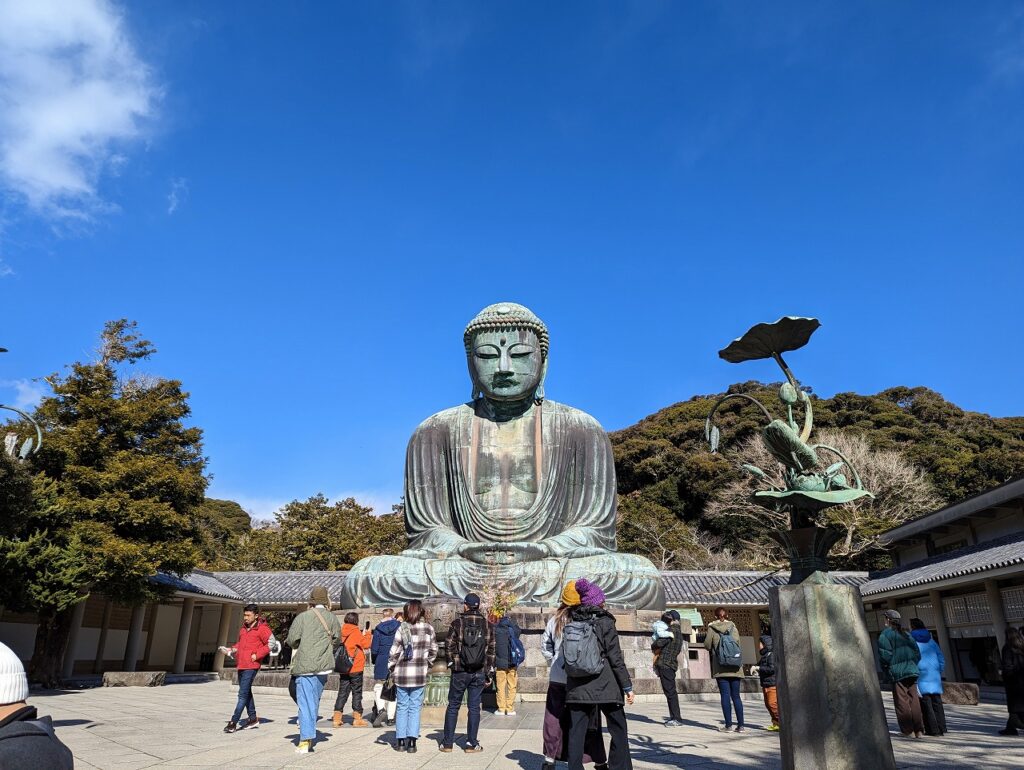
(507, 365)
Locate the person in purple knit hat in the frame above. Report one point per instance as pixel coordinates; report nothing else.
(606, 692)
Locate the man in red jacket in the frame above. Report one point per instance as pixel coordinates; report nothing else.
(252, 647)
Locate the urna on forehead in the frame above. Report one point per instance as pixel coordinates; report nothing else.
(506, 315)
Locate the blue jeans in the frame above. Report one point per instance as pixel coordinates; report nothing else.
(309, 689)
(461, 681)
(729, 689)
(245, 701)
(407, 715)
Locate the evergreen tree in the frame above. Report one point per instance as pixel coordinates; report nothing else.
(315, 534)
(118, 484)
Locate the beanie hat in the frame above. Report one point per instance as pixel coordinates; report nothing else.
(319, 596)
(590, 594)
(892, 615)
(13, 682)
(570, 596)
(472, 601)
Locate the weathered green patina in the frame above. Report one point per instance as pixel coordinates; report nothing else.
(809, 488)
(509, 489)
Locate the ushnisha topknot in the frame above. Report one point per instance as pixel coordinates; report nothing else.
(507, 315)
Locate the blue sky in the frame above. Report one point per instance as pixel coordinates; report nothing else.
(302, 205)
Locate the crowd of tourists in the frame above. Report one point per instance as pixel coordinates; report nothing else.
(589, 684)
(913, 662)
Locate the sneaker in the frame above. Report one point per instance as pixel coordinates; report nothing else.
(673, 723)
(511, 713)
(304, 747)
(390, 723)
(231, 727)
(739, 728)
(475, 748)
(725, 728)
(772, 728)
(445, 749)
(250, 724)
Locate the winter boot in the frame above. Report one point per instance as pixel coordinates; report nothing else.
(339, 719)
(358, 721)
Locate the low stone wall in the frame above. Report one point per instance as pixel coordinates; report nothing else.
(134, 678)
(960, 693)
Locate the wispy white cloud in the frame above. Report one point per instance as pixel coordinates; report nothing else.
(73, 91)
(177, 195)
(28, 393)
(1007, 55)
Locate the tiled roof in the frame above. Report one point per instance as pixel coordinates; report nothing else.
(196, 582)
(282, 587)
(1001, 552)
(734, 588)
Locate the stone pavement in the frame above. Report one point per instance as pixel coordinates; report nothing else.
(181, 726)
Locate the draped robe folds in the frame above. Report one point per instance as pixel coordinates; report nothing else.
(573, 515)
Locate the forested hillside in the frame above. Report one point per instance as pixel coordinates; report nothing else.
(667, 476)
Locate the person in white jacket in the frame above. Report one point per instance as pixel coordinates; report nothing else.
(556, 715)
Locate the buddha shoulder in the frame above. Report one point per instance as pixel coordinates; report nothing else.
(572, 416)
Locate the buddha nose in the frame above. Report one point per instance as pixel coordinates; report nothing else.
(504, 361)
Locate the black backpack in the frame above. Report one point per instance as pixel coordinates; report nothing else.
(473, 647)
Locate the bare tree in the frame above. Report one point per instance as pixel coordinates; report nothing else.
(901, 492)
(653, 531)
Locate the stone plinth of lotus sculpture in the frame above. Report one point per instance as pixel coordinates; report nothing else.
(811, 486)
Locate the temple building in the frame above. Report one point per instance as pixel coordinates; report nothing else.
(961, 570)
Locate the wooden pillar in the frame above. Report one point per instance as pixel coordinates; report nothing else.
(942, 631)
(184, 630)
(101, 645)
(226, 611)
(995, 605)
(131, 648)
(68, 667)
(150, 633)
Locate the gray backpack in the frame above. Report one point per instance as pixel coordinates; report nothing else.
(581, 649)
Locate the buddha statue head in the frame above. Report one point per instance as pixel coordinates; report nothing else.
(507, 353)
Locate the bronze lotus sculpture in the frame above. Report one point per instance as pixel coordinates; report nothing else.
(810, 487)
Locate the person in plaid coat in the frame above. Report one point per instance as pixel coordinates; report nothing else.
(412, 654)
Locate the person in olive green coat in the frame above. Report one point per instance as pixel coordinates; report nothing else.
(313, 635)
(727, 677)
(899, 654)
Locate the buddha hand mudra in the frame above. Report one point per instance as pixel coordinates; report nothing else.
(508, 488)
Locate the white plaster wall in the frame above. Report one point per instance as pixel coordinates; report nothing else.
(207, 639)
(165, 636)
(88, 638)
(20, 637)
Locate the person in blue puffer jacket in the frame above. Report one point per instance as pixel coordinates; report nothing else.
(929, 684)
(380, 648)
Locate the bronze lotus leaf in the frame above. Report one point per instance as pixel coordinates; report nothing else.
(810, 501)
(766, 340)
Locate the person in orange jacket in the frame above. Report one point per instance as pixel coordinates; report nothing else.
(356, 643)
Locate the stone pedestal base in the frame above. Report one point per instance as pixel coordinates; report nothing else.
(830, 703)
(134, 678)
